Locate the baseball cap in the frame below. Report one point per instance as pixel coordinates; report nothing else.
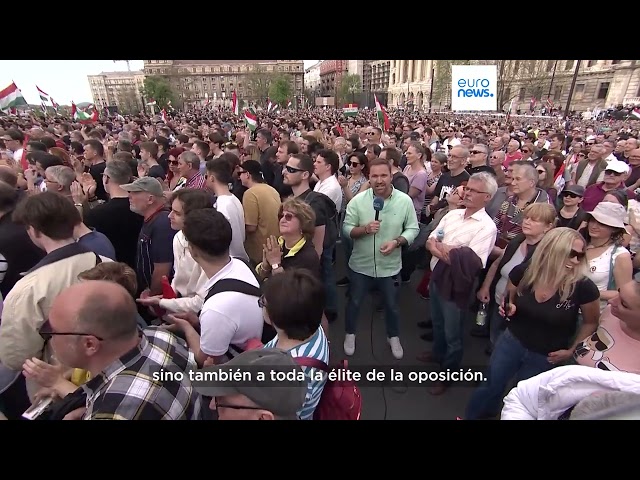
(283, 399)
(144, 184)
(617, 166)
(253, 167)
(575, 189)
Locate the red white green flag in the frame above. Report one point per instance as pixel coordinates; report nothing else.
(234, 102)
(11, 97)
(383, 118)
(251, 119)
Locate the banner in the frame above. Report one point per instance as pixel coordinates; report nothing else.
(474, 87)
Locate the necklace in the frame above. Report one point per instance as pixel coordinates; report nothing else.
(592, 247)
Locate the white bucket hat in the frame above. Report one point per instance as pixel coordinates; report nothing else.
(610, 214)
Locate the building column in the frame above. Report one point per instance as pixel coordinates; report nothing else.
(421, 65)
(401, 69)
(410, 71)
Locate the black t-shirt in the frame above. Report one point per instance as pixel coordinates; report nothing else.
(549, 326)
(155, 245)
(448, 184)
(306, 257)
(573, 222)
(120, 225)
(319, 207)
(96, 172)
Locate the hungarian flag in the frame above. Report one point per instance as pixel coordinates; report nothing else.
(635, 113)
(251, 119)
(11, 97)
(152, 102)
(44, 97)
(234, 103)
(383, 118)
(163, 114)
(288, 103)
(269, 105)
(83, 117)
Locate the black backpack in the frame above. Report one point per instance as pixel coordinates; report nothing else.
(331, 228)
(234, 285)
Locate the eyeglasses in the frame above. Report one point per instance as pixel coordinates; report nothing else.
(612, 172)
(576, 255)
(46, 332)
(471, 190)
(261, 302)
(541, 171)
(293, 169)
(581, 155)
(287, 216)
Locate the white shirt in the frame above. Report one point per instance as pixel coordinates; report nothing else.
(230, 318)
(332, 189)
(231, 208)
(478, 232)
(17, 155)
(188, 279)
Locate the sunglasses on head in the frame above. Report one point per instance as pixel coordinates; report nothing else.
(576, 255)
(287, 216)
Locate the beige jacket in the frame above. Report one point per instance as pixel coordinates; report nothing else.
(27, 305)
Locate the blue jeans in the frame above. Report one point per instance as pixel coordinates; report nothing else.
(329, 279)
(448, 321)
(509, 359)
(387, 288)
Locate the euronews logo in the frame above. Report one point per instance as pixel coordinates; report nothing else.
(474, 87)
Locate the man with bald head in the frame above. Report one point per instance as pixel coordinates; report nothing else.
(92, 326)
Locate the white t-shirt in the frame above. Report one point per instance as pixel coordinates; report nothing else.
(231, 208)
(332, 189)
(230, 318)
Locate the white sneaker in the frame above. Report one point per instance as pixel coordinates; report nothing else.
(349, 344)
(396, 348)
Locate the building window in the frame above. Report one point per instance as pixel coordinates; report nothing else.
(615, 62)
(523, 92)
(603, 91)
(568, 65)
(558, 92)
(590, 63)
(579, 93)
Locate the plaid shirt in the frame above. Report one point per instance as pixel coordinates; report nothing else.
(126, 390)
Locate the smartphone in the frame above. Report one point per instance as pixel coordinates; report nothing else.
(34, 411)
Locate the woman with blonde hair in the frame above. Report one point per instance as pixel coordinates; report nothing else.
(545, 297)
(294, 247)
(537, 220)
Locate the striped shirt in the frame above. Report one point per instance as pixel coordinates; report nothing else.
(4, 266)
(478, 232)
(197, 181)
(316, 347)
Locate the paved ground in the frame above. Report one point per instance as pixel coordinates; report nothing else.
(398, 403)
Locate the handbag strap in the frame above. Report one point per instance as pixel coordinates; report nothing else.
(612, 281)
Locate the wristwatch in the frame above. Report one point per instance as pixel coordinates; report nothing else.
(275, 266)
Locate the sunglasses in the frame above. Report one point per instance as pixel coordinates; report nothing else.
(287, 216)
(612, 172)
(576, 255)
(524, 150)
(173, 162)
(541, 171)
(293, 169)
(475, 152)
(570, 195)
(354, 164)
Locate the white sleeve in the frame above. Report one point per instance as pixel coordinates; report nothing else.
(216, 332)
(521, 403)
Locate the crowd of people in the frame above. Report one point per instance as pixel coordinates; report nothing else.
(132, 246)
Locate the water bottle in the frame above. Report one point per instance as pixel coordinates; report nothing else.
(440, 234)
(481, 317)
